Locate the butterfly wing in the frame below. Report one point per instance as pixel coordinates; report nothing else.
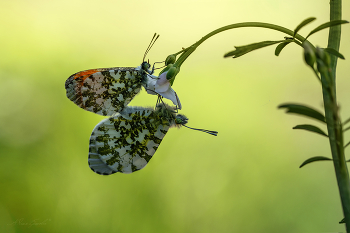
(127, 141)
(104, 91)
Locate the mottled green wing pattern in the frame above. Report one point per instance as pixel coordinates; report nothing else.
(105, 91)
(127, 141)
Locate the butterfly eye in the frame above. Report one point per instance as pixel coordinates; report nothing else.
(181, 119)
(178, 121)
(145, 65)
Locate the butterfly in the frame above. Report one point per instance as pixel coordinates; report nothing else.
(127, 141)
(106, 91)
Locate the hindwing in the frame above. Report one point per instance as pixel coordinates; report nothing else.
(127, 141)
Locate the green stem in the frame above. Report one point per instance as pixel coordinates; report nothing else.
(334, 32)
(334, 125)
(188, 51)
(336, 142)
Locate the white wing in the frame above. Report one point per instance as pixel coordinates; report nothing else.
(127, 141)
(104, 91)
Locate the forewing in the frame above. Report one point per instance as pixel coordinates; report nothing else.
(126, 142)
(104, 91)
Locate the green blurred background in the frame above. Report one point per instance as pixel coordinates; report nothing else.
(245, 180)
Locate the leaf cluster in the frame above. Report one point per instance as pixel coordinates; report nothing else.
(317, 58)
(242, 50)
(313, 114)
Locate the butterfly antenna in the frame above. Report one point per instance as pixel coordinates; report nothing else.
(159, 67)
(215, 133)
(155, 37)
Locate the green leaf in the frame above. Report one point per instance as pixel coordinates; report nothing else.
(311, 128)
(314, 159)
(327, 25)
(280, 47)
(346, 121)
(342, 221)
(241, 50)
(303, 110)
(334, 52)
(346, 129)
(302, 24)
(346, 145)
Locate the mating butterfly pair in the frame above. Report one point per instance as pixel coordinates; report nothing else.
(126, 141)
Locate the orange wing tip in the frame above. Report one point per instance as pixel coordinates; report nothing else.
(84, 74)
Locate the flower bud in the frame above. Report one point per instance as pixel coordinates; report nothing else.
(170, 59)
(323, 56)
(309, 54)
(320, 65)
(172, 72)
(327, 59)
(319, 53)
(166, 68)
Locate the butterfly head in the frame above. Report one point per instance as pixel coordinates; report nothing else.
(145, 66)
(180, 120)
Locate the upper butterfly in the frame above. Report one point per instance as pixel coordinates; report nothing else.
(108, 90)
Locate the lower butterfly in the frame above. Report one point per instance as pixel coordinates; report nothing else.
(127, 141)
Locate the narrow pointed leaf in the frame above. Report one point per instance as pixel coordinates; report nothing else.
(302, 24)
(346, 145)
(241, 50)
(311, 128)
(280, 47)
(314, 159)
(334, 52)
(327, 25)
(342, 221)
(346, 121)
(346, 129)
(303, 110)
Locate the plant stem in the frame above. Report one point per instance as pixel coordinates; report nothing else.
(334, 125)
(334, 32)
(188, 51)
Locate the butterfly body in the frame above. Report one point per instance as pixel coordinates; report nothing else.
(127, 141)
(108, 90)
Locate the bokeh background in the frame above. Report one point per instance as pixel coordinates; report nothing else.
(245, 180)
